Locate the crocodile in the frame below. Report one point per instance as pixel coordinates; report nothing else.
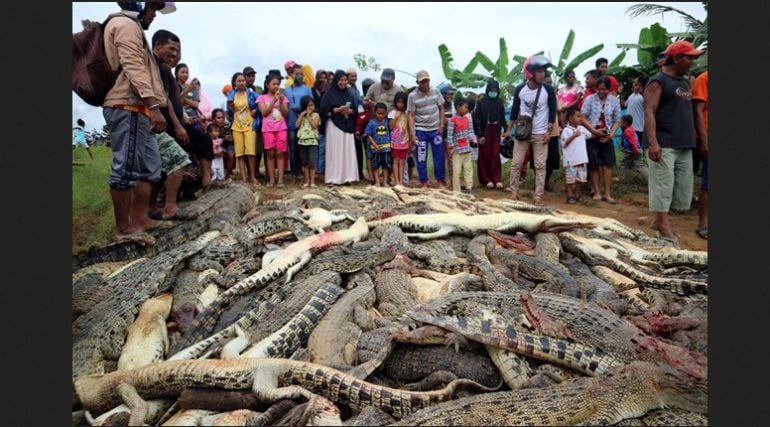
(333, 342)
(593, 254)
(597, 290)
(278, 306)
(219, 400)
(666, 257)
(187, 417)
(667, 417)
(434, 226)
(270, 379)
(292, 259)
(479, 249)
(627, 392)
(100, 333)
(518, 242)
(319, 219)
(618, 281)
(238, 417)
(156, 408)
(147, 339)
(587, 322)
(270, 223)
(188, 286)
(393, 286)
(102, 269)
(200, 212)
(539, 270)
(295, 333)
(371, 416)
(409, 363)
(548, 248)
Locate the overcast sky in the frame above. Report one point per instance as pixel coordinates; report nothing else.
(219, 39)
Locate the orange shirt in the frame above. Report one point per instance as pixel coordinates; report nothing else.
(700, 92)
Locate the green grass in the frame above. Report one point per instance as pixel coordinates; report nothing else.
(92, 215)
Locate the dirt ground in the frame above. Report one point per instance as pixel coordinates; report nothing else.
(630, 209)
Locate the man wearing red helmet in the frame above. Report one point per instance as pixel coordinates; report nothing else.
(670, 132)
(538, 101)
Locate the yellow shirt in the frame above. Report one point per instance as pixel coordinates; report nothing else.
(242, 119)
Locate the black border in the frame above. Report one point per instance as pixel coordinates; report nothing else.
(37, 240)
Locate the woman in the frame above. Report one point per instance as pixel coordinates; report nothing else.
(601, 116)
(488, 120)
(243, 103)
(568, 96)
(199, 144)
(319, 89)
(337, 110)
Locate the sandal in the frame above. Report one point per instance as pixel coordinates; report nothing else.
(539, 203)
(703, 232)
(609, 200)
(490, 185)
(499, 185)
(571, 200)
(673, 240)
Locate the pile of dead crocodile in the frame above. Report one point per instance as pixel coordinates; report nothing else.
(394, 306)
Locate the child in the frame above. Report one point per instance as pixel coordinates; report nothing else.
(217, 165)
(460, 135)
(573, 144)
(399, 136)
(307, 138)
(377, 132)
(274, 108)
(362, 119)
(79, 138)
(632, 154)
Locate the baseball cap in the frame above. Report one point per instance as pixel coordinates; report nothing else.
(388, 74)
(249, 70)
(682, 47)
(168, 7)
(289, 64)
(422, 75)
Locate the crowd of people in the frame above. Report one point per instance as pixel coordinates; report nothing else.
(319, 127)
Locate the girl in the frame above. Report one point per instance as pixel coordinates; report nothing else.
(399, 134)
(243, 103)
(307, 138)
(274, 108)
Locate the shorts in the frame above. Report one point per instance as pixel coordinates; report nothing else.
(135, 154)
(245, 143)
(277, 140)
(172, 156)
(228, 147)
(367, 148)
(704, 174)
(200, 143)
(600, 153)
(577, 173)
(670, 181)
(399, 154)
(308, 155)
(382, 160)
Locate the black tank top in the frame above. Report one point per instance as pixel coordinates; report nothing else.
(675, 127)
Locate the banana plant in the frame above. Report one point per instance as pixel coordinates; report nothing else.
(465, 78)
(562, 65)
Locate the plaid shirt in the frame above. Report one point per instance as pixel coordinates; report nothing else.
(460, 133)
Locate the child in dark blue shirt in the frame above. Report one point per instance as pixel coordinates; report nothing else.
(377, 133)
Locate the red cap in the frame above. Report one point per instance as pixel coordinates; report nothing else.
(289, 64)
(682, 47)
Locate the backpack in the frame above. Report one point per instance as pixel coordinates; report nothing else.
(92, 75)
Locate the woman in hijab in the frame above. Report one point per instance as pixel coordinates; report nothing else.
(337, 110)
(488, 120)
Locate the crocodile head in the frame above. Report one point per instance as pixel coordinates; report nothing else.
(679, 389)
(557, 225)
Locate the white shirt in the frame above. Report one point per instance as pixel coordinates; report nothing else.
(576, 152)
(636, 110)
(527, 97)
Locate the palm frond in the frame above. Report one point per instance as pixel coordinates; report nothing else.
(640, 9)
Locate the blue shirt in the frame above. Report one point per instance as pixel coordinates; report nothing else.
(294, 94)
(80, 135)
(380, 132)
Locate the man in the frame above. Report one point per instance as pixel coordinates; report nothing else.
(700, 97)
(601, 66)
(166, 48)
(132, 110)
(352, 80)
(591, 77)
(635, 106)
(447, 93)
(384, 91)
(544, 117)
(294, 94)
(670, 133)
(553, 161)
(425, 108)
(251, 76)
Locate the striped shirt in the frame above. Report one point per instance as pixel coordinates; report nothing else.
(426, 109)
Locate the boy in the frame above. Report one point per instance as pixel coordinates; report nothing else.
(575, 154)
(632, 153)
(378, 134)
(460, 136)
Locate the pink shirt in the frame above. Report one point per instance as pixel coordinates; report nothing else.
(273, 121)
(217, 145)
(568, 95)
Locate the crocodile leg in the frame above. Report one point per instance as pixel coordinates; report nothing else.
(139, 408)
(266, 387)
(303, 259)
(233, 349)
(441, 232)
(540, 320)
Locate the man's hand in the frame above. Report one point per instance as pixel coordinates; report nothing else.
(181, 135)
(157, 121)
(703, 148)
(654, 152)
